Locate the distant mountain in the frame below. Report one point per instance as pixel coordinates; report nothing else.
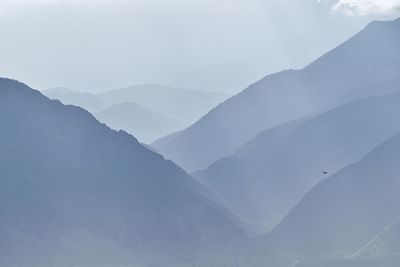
(73, 192)
(144, 124)
(274, 171)
(180, 104)
(164, 140)
(370, 58)
(154, 110)
(344, 212)
(381, 89)
(71, 97)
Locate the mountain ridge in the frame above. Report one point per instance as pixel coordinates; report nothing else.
(74, 192)
(275, 170)
(345, 211)
(289, 95)
(147, 125)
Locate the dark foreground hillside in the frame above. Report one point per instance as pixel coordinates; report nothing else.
(75, 193)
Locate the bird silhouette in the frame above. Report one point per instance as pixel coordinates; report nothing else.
(325, 172)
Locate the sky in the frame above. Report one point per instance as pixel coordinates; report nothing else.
(366, 7)
(211, 45)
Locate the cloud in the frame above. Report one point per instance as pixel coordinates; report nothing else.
(366, 7)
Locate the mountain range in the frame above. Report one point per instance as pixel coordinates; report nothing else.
(181, 104)
(145, 124)
(343, 213)
(148, 111)
(68, 96)
(274, 171)
(73, 192)
(368, 59)
(301, 169)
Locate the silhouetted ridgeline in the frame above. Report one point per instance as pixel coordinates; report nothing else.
(343, 215)
(274, 171)
(372, 57)
(75, 193)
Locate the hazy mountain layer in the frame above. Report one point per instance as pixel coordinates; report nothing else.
(346, 211)
(273, 172)
(370, 58)
(154, 110)
(229, 181)
(70, 97)
(146, 125)
(180, 104)
(75, 193)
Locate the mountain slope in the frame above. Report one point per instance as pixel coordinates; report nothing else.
(346, 211)
(144, 124)
(70, 97)
(180, 104)
(75, 193)
(228, 178)
(272, 175)
(373, 54)
(387, 243)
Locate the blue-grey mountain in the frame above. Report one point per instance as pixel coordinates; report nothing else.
(370, 58)
(273, 172)
(181, 104)
(73, 192)
(345, 212)
(68, 96)
(145, 124)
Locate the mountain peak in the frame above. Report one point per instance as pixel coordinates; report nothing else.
(72, 189)
(365, 60)
(11, 85)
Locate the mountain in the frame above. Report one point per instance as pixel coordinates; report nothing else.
(180, 104)
(70, 97)
(144, 124)
(381, 89)
(228, 178)
(344, 212)
(73, 192)
(147, 125)
(275, 170)
(373, 54)
(162, 110)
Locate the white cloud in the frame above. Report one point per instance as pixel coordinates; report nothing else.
(366, 7)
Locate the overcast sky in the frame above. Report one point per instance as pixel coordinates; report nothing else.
(218, 45)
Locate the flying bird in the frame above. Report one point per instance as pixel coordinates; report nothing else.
(325, 172)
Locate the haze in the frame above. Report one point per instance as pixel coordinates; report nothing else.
(203, 45)
(182, 133)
